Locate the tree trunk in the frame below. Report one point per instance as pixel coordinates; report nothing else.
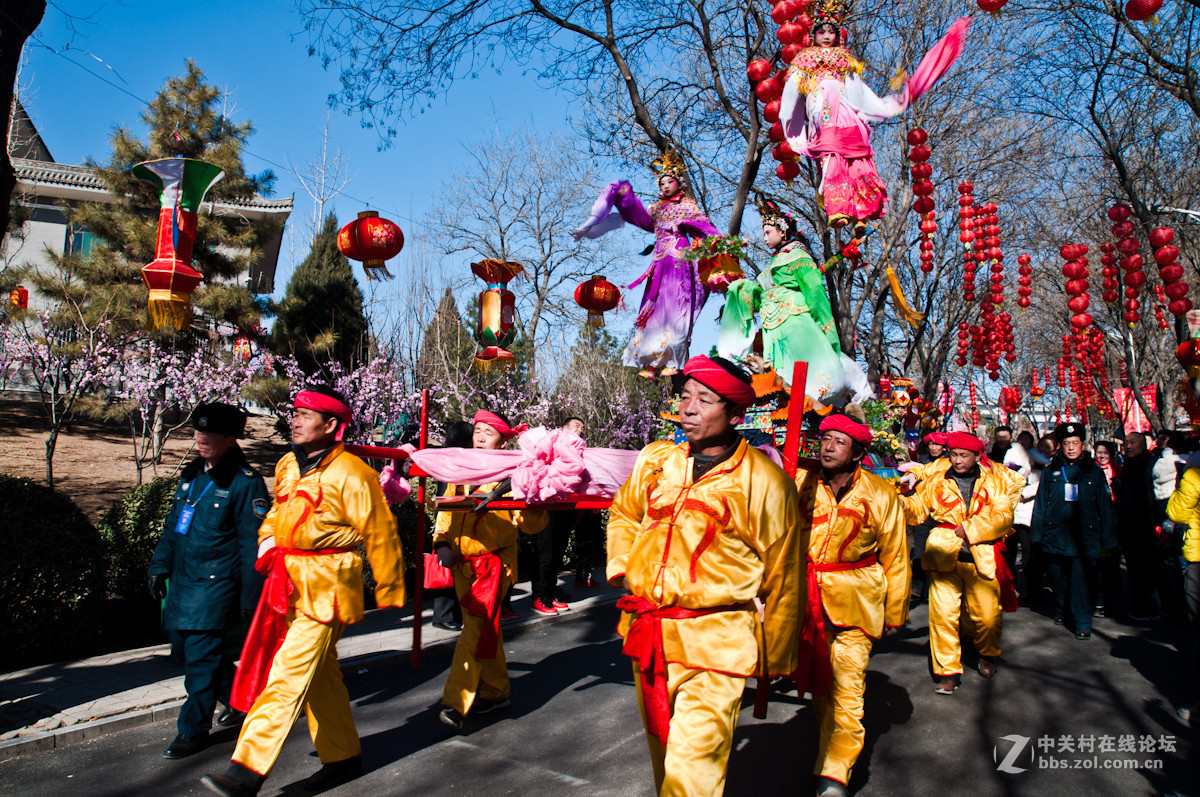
(18, 20)
(51, 443)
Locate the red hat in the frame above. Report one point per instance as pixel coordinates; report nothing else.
(965, 441)
(720, 380)
(937, 438)
(323, 402)
(856, 431)
(496, 422)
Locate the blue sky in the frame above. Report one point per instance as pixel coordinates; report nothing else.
(96, 68)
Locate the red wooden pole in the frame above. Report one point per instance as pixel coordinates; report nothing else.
(419, 543)
(791, 455)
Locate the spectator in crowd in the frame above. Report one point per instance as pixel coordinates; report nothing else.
(1001, 442)
(481, 549)
(1073, 519)
(1137, 511)
(1108, 566)
(1018, 460)
(1184, 509)
(1047, 446)
(447, 614)
(551, 544)
(207, 551)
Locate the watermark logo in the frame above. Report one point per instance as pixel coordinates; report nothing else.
(1018, 745)
(1014, 754)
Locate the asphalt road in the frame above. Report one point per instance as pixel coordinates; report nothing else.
(573, 726)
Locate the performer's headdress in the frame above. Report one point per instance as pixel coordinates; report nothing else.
(669, 163)
(776, 216)
(829, 12)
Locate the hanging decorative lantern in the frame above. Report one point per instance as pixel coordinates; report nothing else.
(1142, 10)
(18, 298)
(497, 305)
(922, 188)
(242, 349)
(182, 184)
(372, 240)
(597, 296)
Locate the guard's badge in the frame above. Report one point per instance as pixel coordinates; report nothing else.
(261, 507)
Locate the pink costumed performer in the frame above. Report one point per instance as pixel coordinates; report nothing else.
(826, 111)
(674, 295)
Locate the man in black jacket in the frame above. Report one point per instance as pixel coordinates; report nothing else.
(1138, 513)
(1073, 519)
(207, 550)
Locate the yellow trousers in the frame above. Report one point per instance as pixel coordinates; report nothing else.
(469, 676)
(704, 712)
(840, 713)
(304, 673)
(947, 594)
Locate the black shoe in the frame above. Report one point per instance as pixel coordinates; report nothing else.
(229, 787)
(1101, 612)
(481, 706)
(828, 787)
(448, 626)
(1084, 634)
(230, 717)
(186, 744)
(562, 595)
(332, 775)
(449, 716)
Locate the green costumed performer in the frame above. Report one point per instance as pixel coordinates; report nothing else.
(797, 320)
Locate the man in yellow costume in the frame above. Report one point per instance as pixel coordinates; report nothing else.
(972, 503)
(698, 534)
(326, 502)
(481, 549)
(858, 582)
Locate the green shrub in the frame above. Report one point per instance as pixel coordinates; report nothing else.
(53, 576)
(131, 529)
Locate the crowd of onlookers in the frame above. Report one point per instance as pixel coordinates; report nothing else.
(1092, 536)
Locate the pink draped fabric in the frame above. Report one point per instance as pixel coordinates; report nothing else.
(939, 59)
(550, 466)
(849, 142)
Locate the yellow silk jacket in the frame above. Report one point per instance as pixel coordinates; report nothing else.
(337, 504)
(868, 520)
(723, 540)
(987, 521)
(1184, 507)
(472, 535)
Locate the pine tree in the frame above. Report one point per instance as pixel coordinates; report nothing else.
(321, 318)
(184, 119)
(448, 349)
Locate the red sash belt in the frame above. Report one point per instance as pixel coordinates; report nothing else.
(482, 599)
(813, 672)
(644, 644)
(269, 625)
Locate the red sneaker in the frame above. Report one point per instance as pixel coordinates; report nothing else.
(560, 606)
(541, 607)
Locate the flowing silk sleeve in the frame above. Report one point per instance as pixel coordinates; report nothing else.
(782, 542)
(869, 106)
(938, 60)
(916, 506)
(616, 205)
(892, 541)
(793, 116)
(811, 283)
(626, 514)
(368, 512)
(736, 335)
(698, 226)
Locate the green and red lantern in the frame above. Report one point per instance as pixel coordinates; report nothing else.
(182, 184)
(497, 308)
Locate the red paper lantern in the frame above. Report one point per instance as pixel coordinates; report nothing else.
(1142, 10)
(1161, 236)
(917, 136)
(771, 111)
(768, 90)
(991, 6)
(787, 171)
(597, 296)
(759, 70)
(372, 240)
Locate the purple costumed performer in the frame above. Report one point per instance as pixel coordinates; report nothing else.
(674, 295)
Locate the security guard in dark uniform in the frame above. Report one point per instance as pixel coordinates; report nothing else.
(207, 550)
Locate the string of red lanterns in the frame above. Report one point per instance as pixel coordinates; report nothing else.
(966, 225)
(794, 24)
(922, 188)
(1166, 255)
(1024, 281)
(1130, 261)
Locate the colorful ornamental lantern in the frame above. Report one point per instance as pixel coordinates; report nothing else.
(497, 306)
(182, 184)
(597, 296)
(18, 298)
(372, 240)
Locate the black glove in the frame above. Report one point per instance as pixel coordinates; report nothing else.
(158, 586)
(445, 555)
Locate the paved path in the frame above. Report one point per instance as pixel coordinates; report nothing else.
(573, 727)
